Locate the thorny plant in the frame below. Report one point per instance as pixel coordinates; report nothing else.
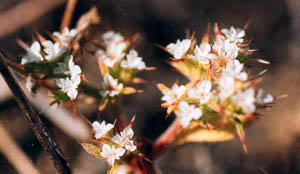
(215, 105)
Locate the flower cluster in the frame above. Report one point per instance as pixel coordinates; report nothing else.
(53, 60)
(219, 86)
(112, 147)
(119, 64)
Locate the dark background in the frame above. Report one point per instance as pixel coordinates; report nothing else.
(273, 142)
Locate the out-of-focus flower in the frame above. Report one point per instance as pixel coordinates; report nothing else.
(174, 94)
(111, 85)
(201, 92)
(111, 153)
(114, 53)
(245, 99)
(226, 49)
(111, 36)
(101, 129)
(262, 98)
(116, 50)
(188, 113)
(68, 67)
(179, 48)
(69, 86)
(66, 35)
(234, 68)
(234, 35)
(226, 85)
(123, 169)
(52, 50)
(124, 139)
(133, 61)
(33, 54)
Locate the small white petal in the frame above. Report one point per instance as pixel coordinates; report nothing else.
(234, 35)
(111, 85)
(201, 92)
(101, 129)
(67, 35)
(263, 98)
(245, 99)
(188, 113)
(226, 85)
(174, 94)
(179, 48)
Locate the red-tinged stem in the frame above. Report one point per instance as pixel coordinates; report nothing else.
(163, 142)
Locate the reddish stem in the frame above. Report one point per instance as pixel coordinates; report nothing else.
(162, 143)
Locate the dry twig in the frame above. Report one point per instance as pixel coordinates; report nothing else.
(40, 130)
(68, 14)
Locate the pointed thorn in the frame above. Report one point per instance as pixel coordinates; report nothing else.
(132, 121)
(281, 97)
(247, 24)
(150, 68)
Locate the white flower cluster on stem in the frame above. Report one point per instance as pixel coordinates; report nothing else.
(115, 51)
(222, 83)
(111, 86)
(67, 35)
(69, 84)
(47, 50)
(115, 146)
(174, 94)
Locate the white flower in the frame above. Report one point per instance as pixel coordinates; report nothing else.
(69, 86)
(73, 69)
(108, 61)
(133, 61)
(68, 67)
(226, 49)
(33, 54)
(180, 48)
(234, 68)
(124, 139)
(245, 99)
(188, 113)
(111, 85)
(174, 94)
(114, 53)
(226, 85)
(201, 92)
(111, 153)
(116, 50)
(52, 50)
(101, 129)
(67, 35)
(234, 35)
(203, 53)
(263, 98)
(111, 36)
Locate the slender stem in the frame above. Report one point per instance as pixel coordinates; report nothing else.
(163, 142)
(68, 14)
(39, 129)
